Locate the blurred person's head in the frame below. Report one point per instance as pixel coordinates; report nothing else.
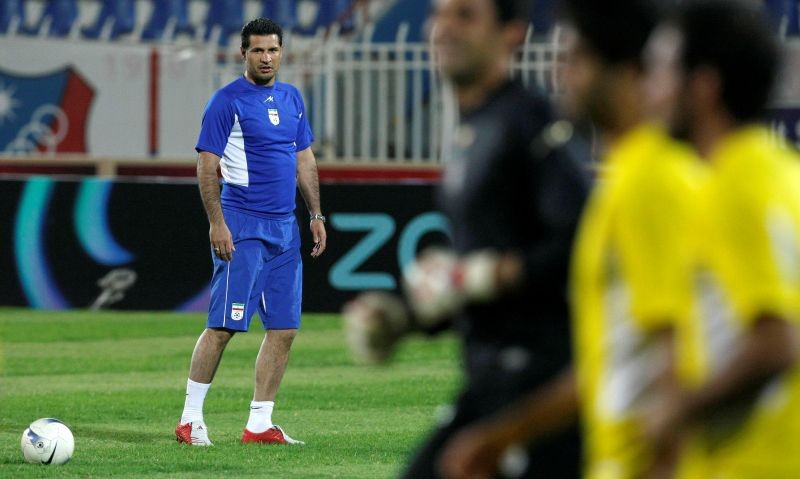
(262, 46)
(603, 67)
(712, 65)
(473, 39)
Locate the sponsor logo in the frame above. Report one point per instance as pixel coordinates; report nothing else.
(273, 116)
(269, 99)
(50, 459)
(237, 311)
(45, 112)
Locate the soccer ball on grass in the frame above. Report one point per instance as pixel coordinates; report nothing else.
(47, 441)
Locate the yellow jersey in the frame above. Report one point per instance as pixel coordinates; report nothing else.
(631, 277)
(750, 265)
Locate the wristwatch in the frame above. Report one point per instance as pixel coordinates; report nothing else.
(318, 217)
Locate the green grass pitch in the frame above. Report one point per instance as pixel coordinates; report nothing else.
(118, 381)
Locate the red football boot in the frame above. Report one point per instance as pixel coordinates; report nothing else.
(273, 435)
(194, 433)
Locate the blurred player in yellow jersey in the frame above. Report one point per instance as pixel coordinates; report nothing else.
(723, 56)
(632, 263)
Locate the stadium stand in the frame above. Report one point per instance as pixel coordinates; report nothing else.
(282, 11)
(57, 19)
(224, 18)
(785, 15)
(409, 12)
(117, 15)
(363, 68)
(328, 13)
(542, 17)
(12, 16)
(168, 19)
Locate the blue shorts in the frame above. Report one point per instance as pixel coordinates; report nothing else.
(265, 275)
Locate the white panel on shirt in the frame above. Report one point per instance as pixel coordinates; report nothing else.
(635, 361)
(234, 158)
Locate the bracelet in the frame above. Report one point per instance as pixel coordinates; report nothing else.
(318, 217)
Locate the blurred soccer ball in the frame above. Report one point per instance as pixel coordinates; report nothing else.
(374, 323)
(47, 441)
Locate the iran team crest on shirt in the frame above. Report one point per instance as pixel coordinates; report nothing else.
(273, 116)
(237, 311)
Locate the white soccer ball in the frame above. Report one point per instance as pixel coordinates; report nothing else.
(47, 441)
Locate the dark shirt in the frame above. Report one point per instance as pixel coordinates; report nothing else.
(507, 189)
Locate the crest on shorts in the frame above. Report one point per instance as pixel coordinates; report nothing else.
(273, 116)
(237, 311)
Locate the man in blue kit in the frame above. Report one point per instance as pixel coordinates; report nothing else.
(256, 131)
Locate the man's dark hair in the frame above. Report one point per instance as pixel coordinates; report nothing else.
(510, 10)
(261, 26)
(616, 31)
(734, 39)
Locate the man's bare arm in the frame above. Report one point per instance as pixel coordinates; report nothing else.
(476, 450)
(308, 183)
(768, 349)
(308, 180)
(219, 235)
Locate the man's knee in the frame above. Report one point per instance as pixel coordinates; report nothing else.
(219, 336)
(283, 337)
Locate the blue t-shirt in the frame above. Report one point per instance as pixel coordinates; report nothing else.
(257, 132)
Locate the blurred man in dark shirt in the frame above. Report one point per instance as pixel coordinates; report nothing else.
(513, 191)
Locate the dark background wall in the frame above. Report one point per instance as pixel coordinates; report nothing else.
(62, 236)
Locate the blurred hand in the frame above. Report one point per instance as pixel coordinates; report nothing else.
(474, 453)
(438, 283)
(374, 323)
(430, 286)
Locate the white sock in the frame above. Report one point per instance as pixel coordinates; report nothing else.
(193, 407)
(260, 416)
